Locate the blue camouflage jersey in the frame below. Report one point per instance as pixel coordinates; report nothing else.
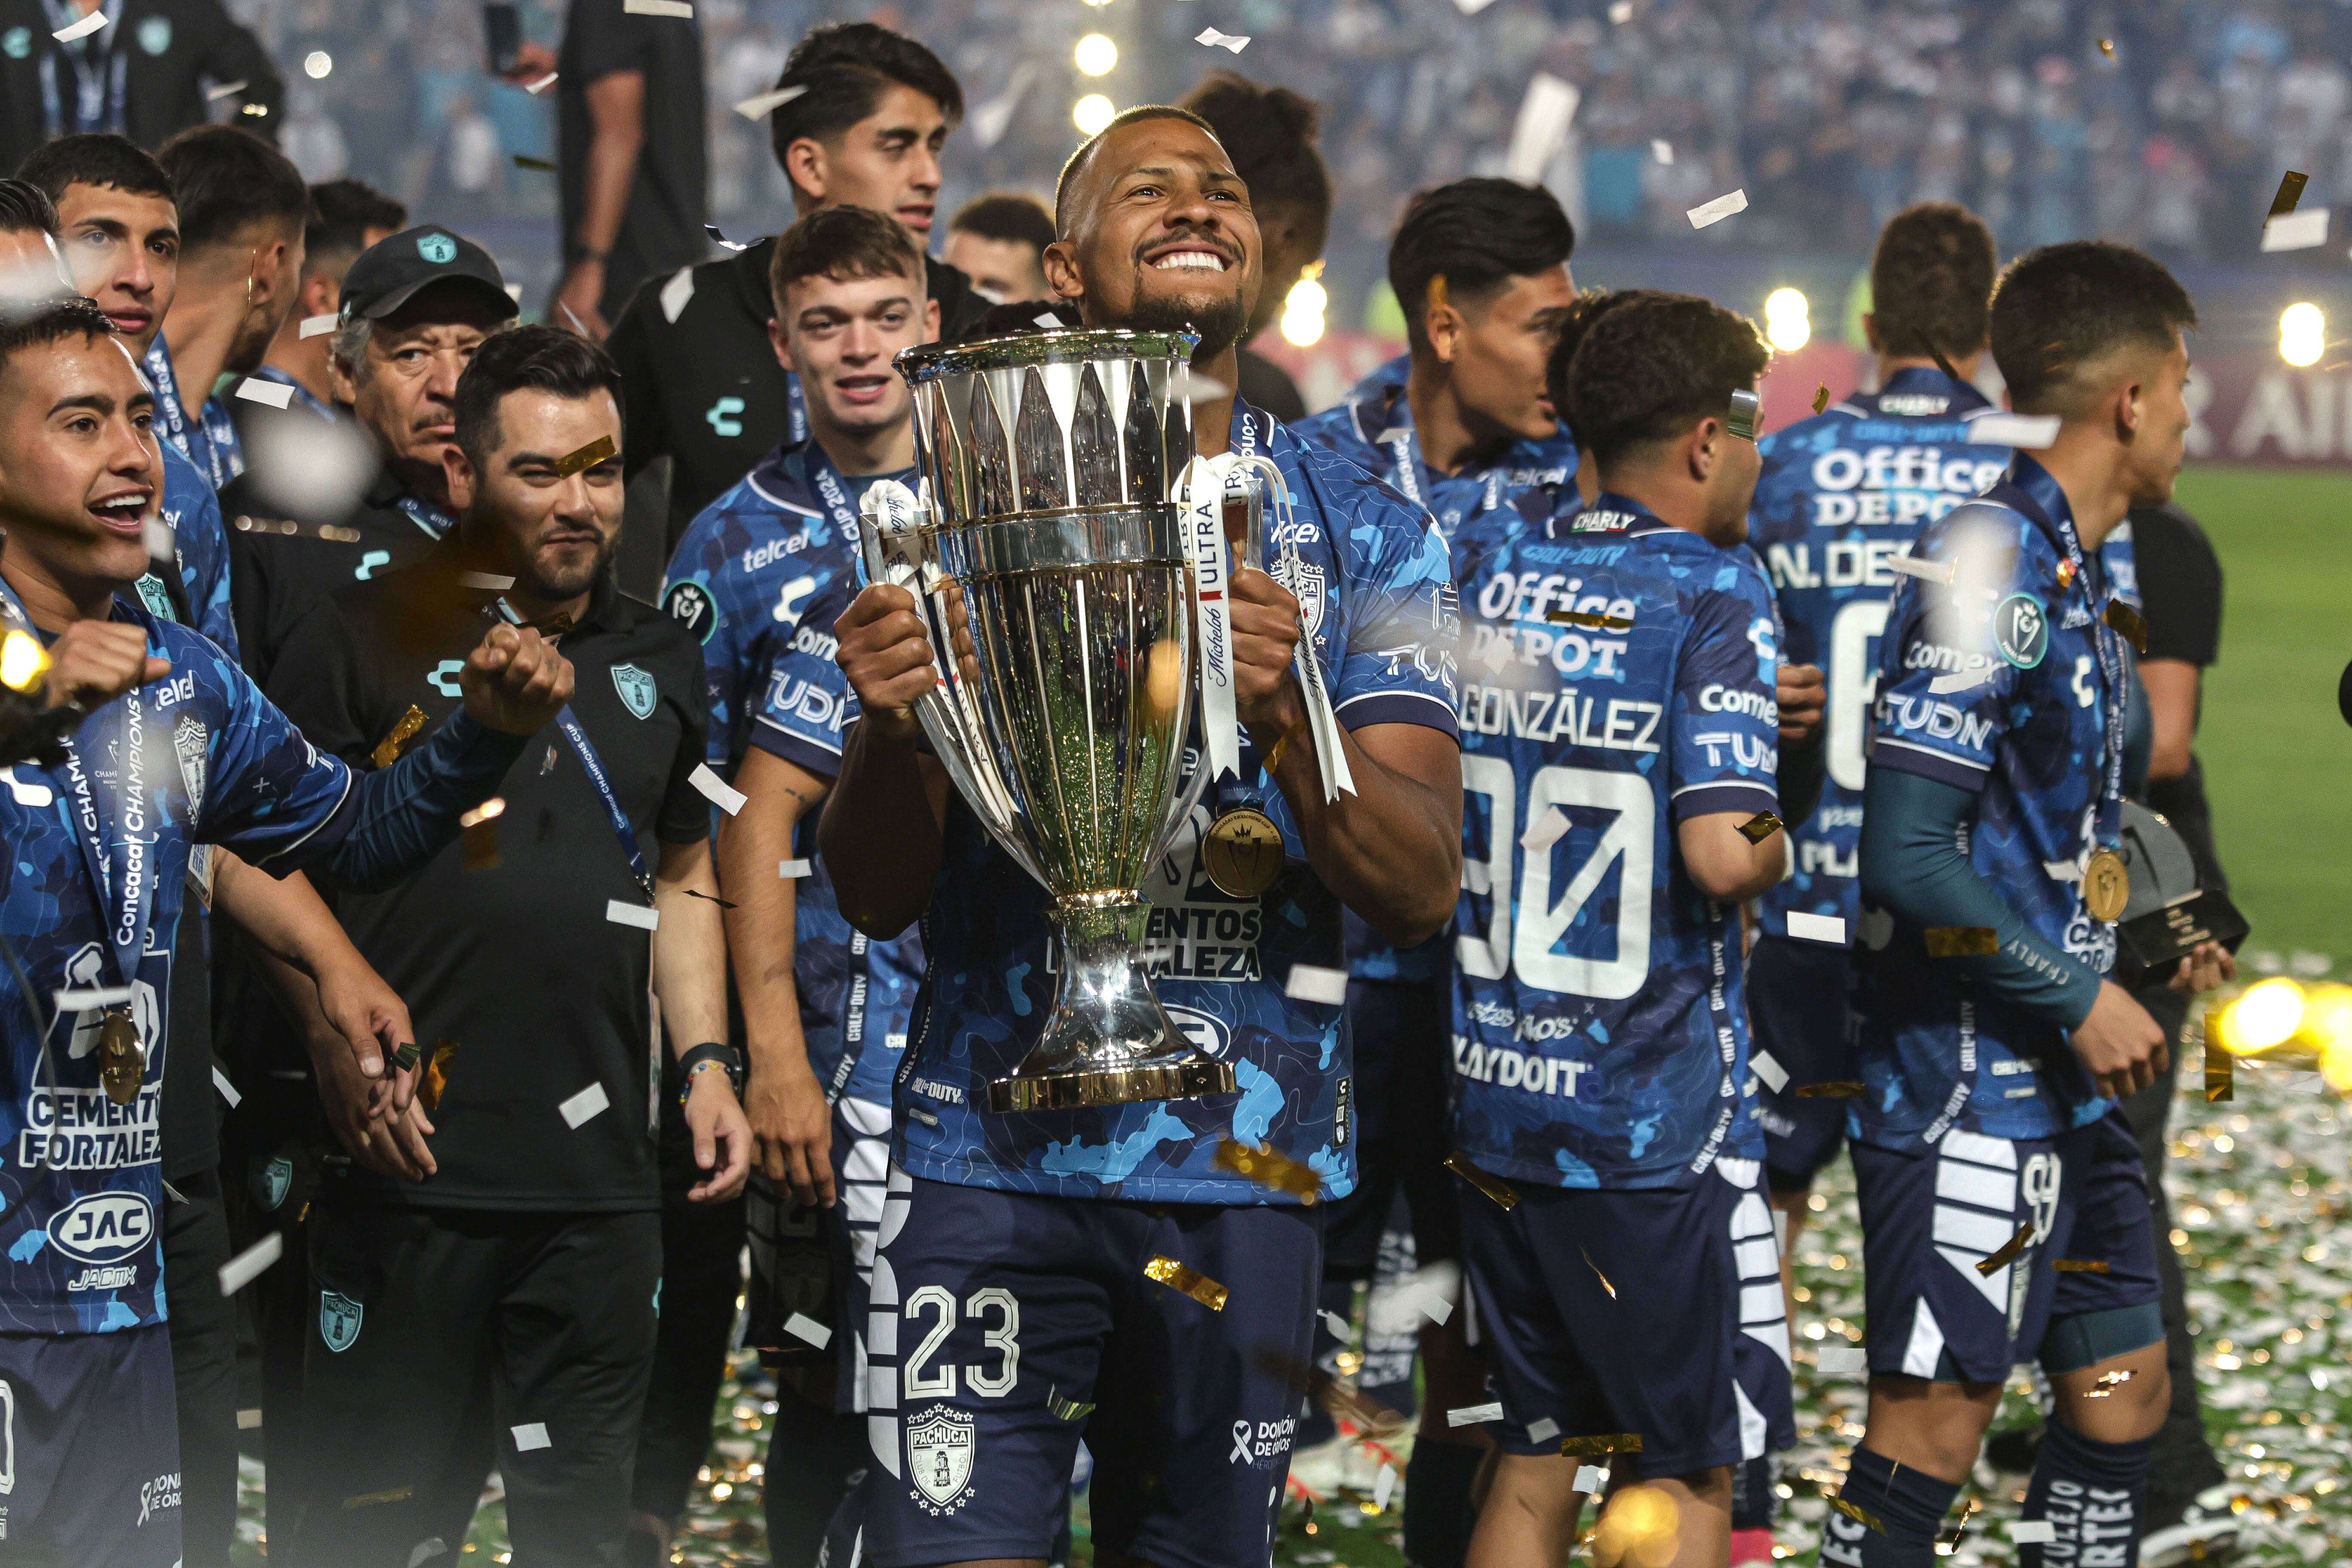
(207, 436)
(760, 575)
(1378, 603)
(192, 511)
(1373, 428)
(199, 757)
(1599, 1034)
(2006, 684)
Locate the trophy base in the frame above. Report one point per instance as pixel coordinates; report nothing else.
(1108, 1041)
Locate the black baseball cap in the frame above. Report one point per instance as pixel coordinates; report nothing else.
(387, 274)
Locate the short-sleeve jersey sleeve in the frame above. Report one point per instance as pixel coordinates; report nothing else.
(1725, 745)
(1400, 616)
(804, 700)
(266, 790)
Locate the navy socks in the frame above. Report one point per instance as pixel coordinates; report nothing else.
(2094, 1497)
(1906, 1507)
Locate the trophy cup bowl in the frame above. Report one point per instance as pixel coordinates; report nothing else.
(1047, 563)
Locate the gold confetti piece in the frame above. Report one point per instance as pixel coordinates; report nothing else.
(2008, 1251)
(1598, 1275)
(1614, 1443)
(1191, 1281)
(1821, 397)
(597, 451)
(2220, 1074)
(2066, 574)
(2290, 191)
(2107, 48)
(1951, 1543)
(1836, 1089)
(1855, 1512)
(387, 750)
(525, 161)
(1962, 941)
(1759, 828)
(369, 1499)
(2080, 1265)
(1493, 1187)
(436, 1075)
(1943, 365)
(1587, 618)
(2127, 621)
(1067, 1409)
(1268, 1169)
(2115, 1379)
(482, 835)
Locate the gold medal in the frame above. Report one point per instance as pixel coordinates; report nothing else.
(121, 1065)
(1243, 852)
(2106, 886)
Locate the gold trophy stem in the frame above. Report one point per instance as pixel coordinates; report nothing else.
(1107, 1042)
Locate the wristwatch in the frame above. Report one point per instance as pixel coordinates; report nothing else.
(708, 1055)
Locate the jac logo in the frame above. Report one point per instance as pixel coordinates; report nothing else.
(104, 1227)
(1204, 1032)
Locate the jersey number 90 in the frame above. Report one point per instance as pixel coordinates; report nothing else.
(1544, 917)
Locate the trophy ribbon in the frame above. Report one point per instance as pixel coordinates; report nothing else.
(1202, 492)
(1330, 756)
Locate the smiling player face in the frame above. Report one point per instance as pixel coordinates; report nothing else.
(79, 473)
(840, 335)
(1161, 236)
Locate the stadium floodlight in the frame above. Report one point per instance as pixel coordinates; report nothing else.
(2303, 333)
(1097, 55)
(1788, 319)
(1302, 313)
(1092, 112)
(318, 65)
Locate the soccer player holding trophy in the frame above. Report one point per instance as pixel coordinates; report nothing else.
(1070, 1247)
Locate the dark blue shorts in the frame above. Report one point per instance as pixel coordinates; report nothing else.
(1403, 1069)
(1005, 1326)
(1796, 1013)
(1931, 1216)
(1691, 1351)
(92, 1442)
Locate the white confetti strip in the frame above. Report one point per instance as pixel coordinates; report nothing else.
(2295, 231)
(2030, 432)
(1662, 151)
(1544, 831)
(720, 240)
(679, 8)
(276, 393)
(83, 29)
(1540, 127)
(161, 543)
(1769, 1068)
(87, 1000)
(2031, 1531)
(1621, 13)
(622, 914)
(792, 869)
(541, 85)
(225, 89)
(675, 293)
(1213, 40)
(716, 790)
(803, 1327)
(1816, 928)
(1718, 209)
(1844, 1361)
(1341, 1329)
(248, 1420)
(229, 1090)
(759, 107)
(1543, 1431)
(1383, 1489)
(586, 1106)
(28, 792)
(318, 326)
(1590, 1478)
(1472, 1414)
(488, 582)
(1050, 321)
(532, 1435)
(247, 1266)
(1309, 984)
(1962, 680)
(1431, 1302)
(2062, 870)
(1925, 571)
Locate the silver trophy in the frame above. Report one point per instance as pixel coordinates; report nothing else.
(1045, 554)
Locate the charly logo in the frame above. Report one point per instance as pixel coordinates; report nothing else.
(339, 1319)
(156, 35)
(722, 416)
(444, 677)
(104, 1227)
(940, 1444)
(688, 603)
(635, 686)
(438, 249)
(2020, 630)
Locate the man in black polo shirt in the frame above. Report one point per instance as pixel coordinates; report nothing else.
(866, 129)
(522, 1274)
(414, 309)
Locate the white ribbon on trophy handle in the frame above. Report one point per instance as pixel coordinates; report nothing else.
(1201, 493)
(1289, 570)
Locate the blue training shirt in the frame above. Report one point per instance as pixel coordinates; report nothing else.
(1996, 684)
(1599, 1035)
(760, 575)
(81, 1177)
(1373, 428)
(1378, 606)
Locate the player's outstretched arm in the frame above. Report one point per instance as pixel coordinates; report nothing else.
(880, 833)
(1722, 863)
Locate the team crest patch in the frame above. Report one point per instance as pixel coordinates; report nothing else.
(438, 249)
(188, 742)
(156, 35)
(157, 598)
(939, 1445)
(272, 1182)
(635, 686)
(2020, 630)
(339, 1319)
(1306, 585)
(688, 603)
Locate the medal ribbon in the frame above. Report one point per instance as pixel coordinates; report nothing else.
(2115, 696)
(586, 749)
(1289, 569)
(98, 68)
(1201, 493)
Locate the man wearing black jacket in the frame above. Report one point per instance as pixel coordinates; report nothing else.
(143, 74)
(705, 388)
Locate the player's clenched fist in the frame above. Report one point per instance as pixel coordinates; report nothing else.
(515, 681)
(882, 649)
(94, 662)
(1801, 695)
(1265, 634)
